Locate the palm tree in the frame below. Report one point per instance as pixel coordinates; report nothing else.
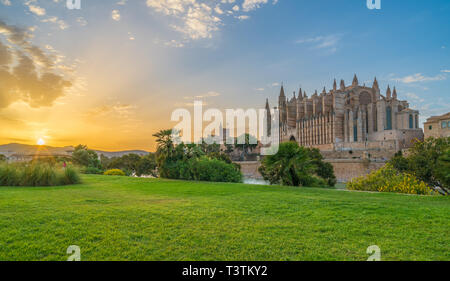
(290, 166)
(165, 143)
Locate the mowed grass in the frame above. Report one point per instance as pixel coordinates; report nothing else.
(121, 218)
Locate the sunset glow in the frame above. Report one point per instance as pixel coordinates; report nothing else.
(134, 62)
(40, 142)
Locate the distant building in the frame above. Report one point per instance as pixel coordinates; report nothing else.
(437, 126)
(349, 118)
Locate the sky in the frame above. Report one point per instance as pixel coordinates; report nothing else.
(110, 74)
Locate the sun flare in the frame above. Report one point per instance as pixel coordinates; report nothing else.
(40, 141)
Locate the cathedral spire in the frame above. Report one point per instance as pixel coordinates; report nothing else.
(334, 85)
(388, 92)
(342, 84)
(394, 94)
(324, 91)
(300, 95)
(282, 91)
(355, 81)
(375, 84)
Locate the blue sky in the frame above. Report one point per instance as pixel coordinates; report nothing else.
(132, 62)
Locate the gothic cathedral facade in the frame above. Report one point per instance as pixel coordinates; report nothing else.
(349, 118)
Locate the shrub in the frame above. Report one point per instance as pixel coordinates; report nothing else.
(36, 174)
(202, 169)
(91, 170)
(388, 179)
(211, 169)
(114, 172)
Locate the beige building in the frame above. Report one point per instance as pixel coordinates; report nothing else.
(437, 126)
(352, 118)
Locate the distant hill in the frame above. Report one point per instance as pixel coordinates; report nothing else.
(121, 153)
(25, 149)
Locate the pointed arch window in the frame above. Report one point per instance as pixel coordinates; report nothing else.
(388, 118)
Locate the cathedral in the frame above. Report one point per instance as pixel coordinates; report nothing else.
(348, 118)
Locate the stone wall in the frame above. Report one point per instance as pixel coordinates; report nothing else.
(347, 169)
(344, 169)
(250, 169)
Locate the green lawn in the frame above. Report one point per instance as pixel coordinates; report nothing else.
(120, 218)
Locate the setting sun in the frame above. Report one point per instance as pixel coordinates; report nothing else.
(40, 141)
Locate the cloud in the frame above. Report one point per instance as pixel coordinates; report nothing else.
(249, 5)
(414, 97)
(15, 34)
(122, 110)
(35, 9)
(418, 77)
(27, 71)
(174, 44)
(55, 20)
(446, 71)
(329, 42)
(199, 19)
(82, 21)
(243, 17)
(6, 2)
(115, 15)
(202, 96)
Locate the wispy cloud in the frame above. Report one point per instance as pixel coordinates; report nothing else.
(202, 96)
(328, 42)
(59, 22)
(115, 15)
(419, 77)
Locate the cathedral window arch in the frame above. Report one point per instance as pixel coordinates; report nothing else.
(388, 118)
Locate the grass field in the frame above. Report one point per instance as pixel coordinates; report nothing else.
(121, 218)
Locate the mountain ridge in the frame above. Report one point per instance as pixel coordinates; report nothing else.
(27, 149)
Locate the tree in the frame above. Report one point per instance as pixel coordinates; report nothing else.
(428, 161)
(3, 158)
(323, 169)
(165, 145)
(127, 163)
(290, 166)
(443, 172)
(399, 162)
(147, 165)
(85, 157)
